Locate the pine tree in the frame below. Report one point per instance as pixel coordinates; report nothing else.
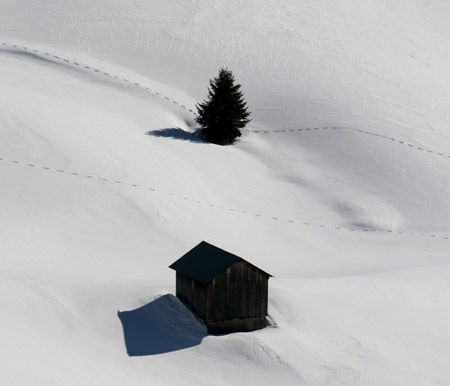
(225, 112)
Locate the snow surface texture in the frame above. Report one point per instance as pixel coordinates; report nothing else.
(339, 188)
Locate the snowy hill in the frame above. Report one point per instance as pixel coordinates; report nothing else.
(339, 188)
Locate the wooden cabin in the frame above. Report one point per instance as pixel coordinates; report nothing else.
(227, 292)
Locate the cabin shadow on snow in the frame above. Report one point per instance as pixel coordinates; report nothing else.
(161, 326)
(176, 133)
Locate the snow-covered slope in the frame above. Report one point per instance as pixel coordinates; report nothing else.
(339, 188)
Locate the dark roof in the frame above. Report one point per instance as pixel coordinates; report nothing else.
(204, 262)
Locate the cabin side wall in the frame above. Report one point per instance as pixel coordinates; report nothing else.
(240, 292)
(194, 293)
(235, 300)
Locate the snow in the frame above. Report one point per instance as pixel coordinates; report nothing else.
(339, 188)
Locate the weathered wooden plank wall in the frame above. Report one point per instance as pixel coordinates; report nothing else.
(194, 293)
(240, 292)
(235, 300)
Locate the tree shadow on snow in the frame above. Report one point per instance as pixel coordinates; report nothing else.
(161, 326)
(176, 133)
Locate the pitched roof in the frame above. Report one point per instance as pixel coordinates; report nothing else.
(204, 262)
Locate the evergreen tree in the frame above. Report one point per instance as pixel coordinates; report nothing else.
(225, 112)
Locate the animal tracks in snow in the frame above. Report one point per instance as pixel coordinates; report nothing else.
(385, 137)
(158, 94)
(211, 205)
(218, 206)
(18, 48)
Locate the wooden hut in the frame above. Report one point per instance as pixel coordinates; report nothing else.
(227, 292)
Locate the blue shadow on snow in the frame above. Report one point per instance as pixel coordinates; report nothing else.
(161, 326)
(176, 133)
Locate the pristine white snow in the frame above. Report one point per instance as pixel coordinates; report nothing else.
(346, 200)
